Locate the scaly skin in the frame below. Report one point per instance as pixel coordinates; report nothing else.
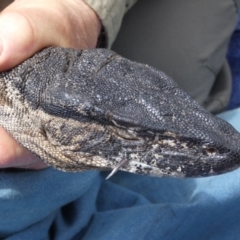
(92, 109)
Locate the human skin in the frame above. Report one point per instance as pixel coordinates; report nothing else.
(27, 26)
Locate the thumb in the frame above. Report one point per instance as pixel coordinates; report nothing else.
(16, 40)
(27, 26)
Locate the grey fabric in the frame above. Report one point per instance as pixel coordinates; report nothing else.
(110, 12)
(221, 90)
(188, 40)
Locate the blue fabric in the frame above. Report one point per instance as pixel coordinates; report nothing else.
(233, 57)
(50, 204)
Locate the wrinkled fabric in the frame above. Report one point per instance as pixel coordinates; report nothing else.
(50, 204)
(111, 13)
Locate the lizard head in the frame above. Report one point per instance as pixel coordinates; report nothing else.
(96, 110)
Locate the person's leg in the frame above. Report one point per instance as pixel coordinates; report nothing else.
(187, 40)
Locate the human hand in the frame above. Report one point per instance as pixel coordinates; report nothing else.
(27, 26)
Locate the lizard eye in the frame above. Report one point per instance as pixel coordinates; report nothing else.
(124, 134)
(211, 150)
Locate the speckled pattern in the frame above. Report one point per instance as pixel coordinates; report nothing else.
(92, 109)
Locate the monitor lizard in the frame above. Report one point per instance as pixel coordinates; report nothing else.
(93, 109)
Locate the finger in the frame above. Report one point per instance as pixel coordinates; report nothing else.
(14, 155)
(25, 29)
